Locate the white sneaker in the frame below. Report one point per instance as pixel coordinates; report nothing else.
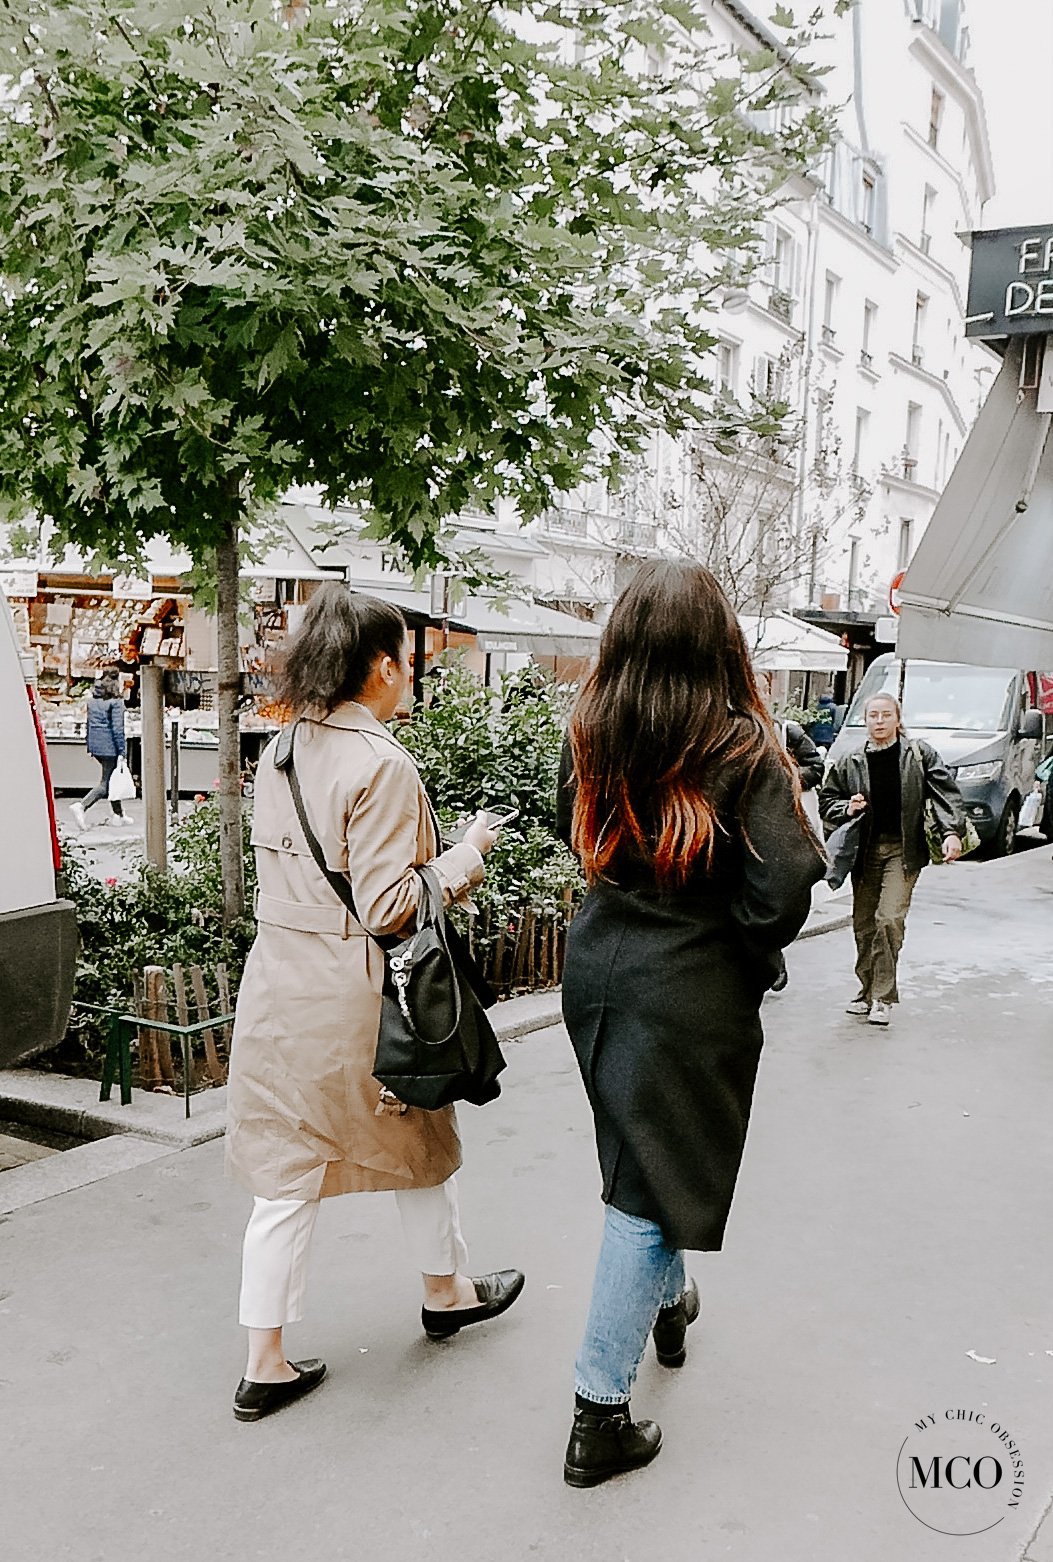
(880, 1014)
(858, 1006)
(78, 813)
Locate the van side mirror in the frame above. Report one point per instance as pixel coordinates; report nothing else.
(1032, 724)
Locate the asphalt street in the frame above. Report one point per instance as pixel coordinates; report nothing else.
(892, 1216)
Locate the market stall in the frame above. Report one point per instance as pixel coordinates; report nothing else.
(75, 624)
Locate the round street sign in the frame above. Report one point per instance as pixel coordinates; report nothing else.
(893, 591)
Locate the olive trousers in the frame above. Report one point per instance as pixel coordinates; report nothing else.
(881, 892)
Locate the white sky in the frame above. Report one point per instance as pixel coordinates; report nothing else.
(1012, 59)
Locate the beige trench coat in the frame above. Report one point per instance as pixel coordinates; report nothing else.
(302, 1101)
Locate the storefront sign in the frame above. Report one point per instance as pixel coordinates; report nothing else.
(1011, 283)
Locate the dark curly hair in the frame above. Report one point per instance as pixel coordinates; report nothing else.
(331, 655)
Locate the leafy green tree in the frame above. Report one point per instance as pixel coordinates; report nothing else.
(417, 252)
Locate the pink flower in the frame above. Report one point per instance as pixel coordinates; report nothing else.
(199, 797)
(111, 883)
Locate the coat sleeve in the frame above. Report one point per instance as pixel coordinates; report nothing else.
(383, 831)
(566, 790)
(806, 756)
(117, 726)
(775, 897)
(835, 795)
(941, 787)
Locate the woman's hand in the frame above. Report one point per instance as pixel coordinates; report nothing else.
(856, 804)
(480, 835)
(952, 848)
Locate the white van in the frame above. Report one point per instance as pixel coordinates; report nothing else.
(38, 929)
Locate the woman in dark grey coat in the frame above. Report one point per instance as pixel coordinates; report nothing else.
(887, 783)
(682, 804)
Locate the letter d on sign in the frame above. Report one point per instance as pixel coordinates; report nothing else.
(1011, 307)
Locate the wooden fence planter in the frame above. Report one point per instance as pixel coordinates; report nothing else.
(529, 948)
(156, 992)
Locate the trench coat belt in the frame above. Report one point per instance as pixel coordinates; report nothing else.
(306, 917)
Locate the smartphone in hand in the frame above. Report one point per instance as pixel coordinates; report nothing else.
(494, 821)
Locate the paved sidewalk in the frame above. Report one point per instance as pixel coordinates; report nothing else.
(893, 1215)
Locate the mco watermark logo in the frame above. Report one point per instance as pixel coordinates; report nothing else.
(960, 1472)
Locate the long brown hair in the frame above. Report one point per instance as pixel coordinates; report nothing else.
(670, 713)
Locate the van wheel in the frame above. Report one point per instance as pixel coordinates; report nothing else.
(1004, 843)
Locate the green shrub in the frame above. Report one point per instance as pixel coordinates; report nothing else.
(152, 918)
(487, 748)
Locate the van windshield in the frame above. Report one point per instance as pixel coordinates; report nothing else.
(941, 695)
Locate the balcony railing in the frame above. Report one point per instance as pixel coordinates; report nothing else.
(566, 522)
(917, 356)
(780, 303)
(866, 360)
(828, 335)
(924, 243)
(638, 534)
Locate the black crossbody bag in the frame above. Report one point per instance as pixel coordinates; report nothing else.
(435, 1044)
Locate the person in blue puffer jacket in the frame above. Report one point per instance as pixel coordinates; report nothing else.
(105, 740)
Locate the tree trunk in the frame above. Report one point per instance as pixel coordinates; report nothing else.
(152, 708)
(230, 841)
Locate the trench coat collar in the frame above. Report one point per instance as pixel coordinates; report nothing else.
(349, 716)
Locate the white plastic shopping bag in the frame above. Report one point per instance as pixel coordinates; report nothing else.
(1030, 809)
(122, 787)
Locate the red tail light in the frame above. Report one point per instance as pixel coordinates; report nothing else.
(56, 849)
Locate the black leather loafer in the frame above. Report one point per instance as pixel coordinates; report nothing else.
(604, 1445)
(670, 1329)
(253, 1401)
(496, 1294)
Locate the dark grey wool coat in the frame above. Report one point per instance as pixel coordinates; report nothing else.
(661, 995)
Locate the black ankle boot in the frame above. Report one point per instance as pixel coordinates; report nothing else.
(670, 1329)
(605, 1442)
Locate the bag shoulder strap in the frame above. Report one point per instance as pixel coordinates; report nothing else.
(340, 883)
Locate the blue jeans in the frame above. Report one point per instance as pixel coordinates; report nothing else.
(108, 764)
(637, 1273)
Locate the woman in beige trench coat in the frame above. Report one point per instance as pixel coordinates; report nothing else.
(306, 1118)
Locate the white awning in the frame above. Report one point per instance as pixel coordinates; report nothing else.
(778, 642)
(514, 626)
(980, 587)
(280, 557)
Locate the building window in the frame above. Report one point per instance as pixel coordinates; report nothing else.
(917, 341)
(866, 353)
(911, 440)
(769, 379)
(928, 212)
(935, 116)
(906, 543)
(727, 354)
(859, 442)
(866, 215)
(830, 291)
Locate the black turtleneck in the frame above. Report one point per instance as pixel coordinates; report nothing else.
(885, 801)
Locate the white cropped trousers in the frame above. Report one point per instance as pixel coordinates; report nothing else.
(278, 1240)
